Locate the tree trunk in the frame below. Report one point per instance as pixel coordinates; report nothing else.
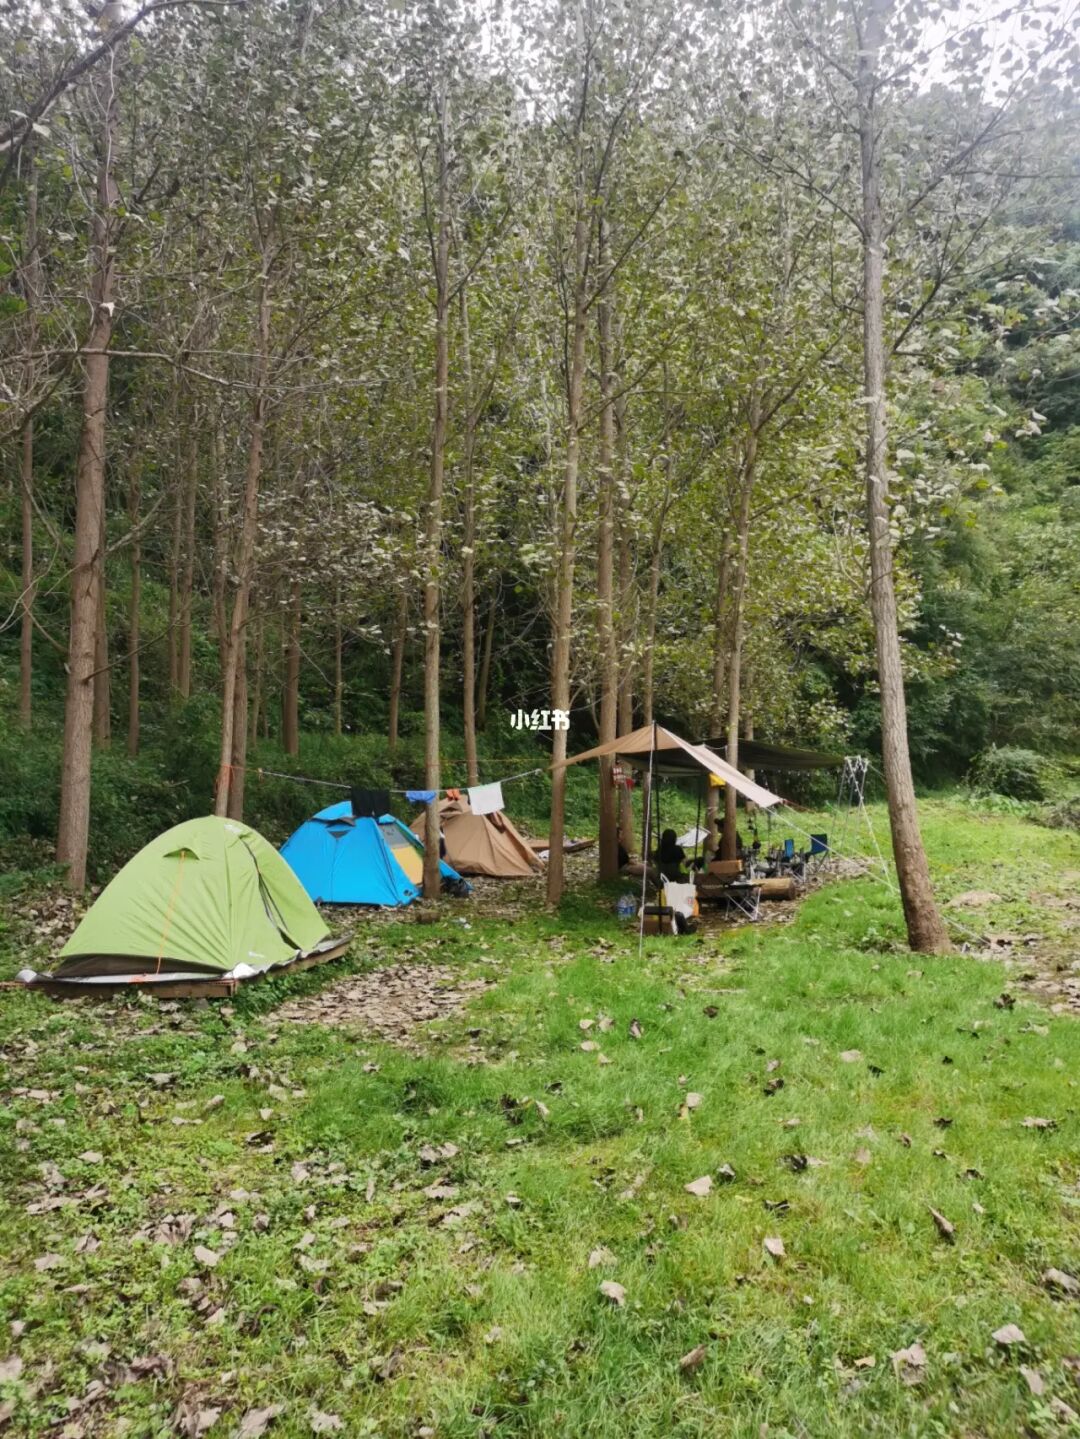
(175, 543)
(339, 680)
(433, 514)
(256, 703)
(747, 474)
(652, 605)
(564, 584)
(290, 712)
(187, 577)
(483, 684)
(102, 672)
(926, 931)
(134, 661)
(31, 282)
(87, 575)
(234, 660)
(716, 714)
(238, 778)
(219, 506)
(626, 626)
(397, 670)
(468, 555)
(605, 580)
(26, 633)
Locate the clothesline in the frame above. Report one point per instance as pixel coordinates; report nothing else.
(261, 771)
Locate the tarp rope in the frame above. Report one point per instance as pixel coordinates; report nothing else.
(260, 772)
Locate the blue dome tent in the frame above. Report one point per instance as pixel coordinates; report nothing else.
(340, 858)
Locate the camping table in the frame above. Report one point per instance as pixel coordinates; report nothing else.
(743, 895)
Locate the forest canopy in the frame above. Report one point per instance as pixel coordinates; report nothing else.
(383, 370)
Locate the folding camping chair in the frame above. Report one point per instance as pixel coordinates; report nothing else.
(818, 852)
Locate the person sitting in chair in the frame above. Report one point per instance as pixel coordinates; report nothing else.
(671, 856)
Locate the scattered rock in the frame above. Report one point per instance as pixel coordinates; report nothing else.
(1060, 1283)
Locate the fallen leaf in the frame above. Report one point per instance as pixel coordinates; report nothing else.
(586, 1024)
(868, 1361)
(862, 1155)
(437, 1154)
(636, 1031)
(774, 1245)
(1009, 1334)
(699, 1187)
(1034, 1381)
(614, 1292)
(48, 1261)
(772, 1065)
(10, 1368)
(1033, 1122)
(207, 1257)
(851, 1056)
(725, 1174)
(256, 1421)
(944, 1228)
(1058, 1282)
(589, 1046)
(943, 1121)
(90, 1156)
(909, 1363)
(689, 1362)
(322, 1423)
(601, 1255)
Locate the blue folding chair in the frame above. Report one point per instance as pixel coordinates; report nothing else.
(819, 849)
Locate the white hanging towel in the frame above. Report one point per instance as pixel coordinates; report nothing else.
(486, 798)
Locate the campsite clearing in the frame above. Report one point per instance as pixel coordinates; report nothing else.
(490, 1232)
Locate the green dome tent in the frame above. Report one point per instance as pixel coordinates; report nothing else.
(209, 900)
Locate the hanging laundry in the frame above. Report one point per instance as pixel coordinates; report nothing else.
(369, 802)
(486, 798)
(420, 796)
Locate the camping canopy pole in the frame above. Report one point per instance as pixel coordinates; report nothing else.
(697, 823)
(645, 849)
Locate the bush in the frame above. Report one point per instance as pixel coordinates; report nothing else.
(1065, 814)
(1016, 773)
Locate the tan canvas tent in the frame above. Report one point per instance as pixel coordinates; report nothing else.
(671, 754)
(482, 843)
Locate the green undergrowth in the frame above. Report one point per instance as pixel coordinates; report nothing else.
(850, 1086)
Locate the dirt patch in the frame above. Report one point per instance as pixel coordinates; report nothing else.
(393, 1002)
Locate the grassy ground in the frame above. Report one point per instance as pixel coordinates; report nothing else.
(207, 1214)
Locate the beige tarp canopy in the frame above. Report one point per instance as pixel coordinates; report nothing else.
(674, 755)
(481, 843)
